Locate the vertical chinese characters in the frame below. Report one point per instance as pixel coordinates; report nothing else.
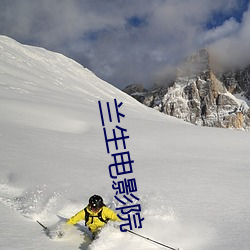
(121, 165)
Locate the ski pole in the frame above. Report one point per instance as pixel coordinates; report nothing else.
(152, 240)
(45, 228)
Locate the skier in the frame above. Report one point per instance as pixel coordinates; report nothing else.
(95, 214)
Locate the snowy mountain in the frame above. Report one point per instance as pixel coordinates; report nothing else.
(201, 95)
(193, 182)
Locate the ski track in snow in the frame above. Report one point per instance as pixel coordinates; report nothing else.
(40, 204)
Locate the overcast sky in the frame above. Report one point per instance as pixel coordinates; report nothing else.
(131, 41)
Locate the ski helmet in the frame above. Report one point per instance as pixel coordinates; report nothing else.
(95, 202)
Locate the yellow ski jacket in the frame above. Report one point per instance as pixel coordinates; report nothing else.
(94, 223)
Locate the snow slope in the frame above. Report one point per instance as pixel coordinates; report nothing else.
(193, 182)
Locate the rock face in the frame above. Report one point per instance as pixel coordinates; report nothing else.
(201, 97)
(137, 91)
(237, 81)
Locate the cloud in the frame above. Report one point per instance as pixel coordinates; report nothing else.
(125, 42)
(228, 28)
(233, 49)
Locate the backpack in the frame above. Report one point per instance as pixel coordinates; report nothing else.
(87, 217)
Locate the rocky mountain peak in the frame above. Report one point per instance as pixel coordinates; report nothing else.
(196, 64)
(200, 96)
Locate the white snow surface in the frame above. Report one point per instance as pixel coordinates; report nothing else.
(193, 182)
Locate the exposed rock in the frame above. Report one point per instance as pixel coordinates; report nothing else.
(237, 81)
(201, 97)
(137, 91)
